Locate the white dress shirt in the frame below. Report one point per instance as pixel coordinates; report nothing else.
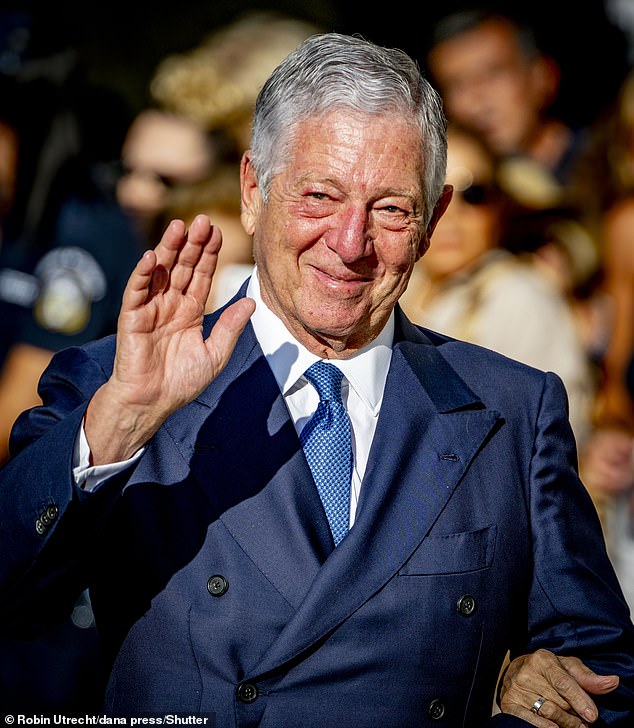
(365, 374)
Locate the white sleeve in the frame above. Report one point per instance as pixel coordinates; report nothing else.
(88, 476)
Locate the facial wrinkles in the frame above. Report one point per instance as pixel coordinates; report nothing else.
(377, 180)
(345, 222)
(351, 203)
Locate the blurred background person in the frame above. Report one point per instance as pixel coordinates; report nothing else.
(219, 198)
(162, 152)
(181, 156)
(604, 189)
(604, 186)
(67, 248)
(66, 252)
(83, 188)
(559, 244)
(496, 81)
(574, 213)
(468, 286)
(217, 81)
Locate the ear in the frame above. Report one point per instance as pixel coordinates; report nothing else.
(439, 210)
(250, 195)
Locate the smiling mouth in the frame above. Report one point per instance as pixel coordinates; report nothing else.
(340, 278)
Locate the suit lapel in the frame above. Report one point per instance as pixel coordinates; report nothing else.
(430, 427)
(239, 435)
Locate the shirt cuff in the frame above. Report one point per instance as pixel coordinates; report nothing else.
(87, 476)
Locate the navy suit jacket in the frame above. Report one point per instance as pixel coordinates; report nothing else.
(473, 536)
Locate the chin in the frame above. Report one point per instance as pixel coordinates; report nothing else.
(332, 327)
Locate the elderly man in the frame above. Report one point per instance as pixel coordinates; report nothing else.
(303, 510)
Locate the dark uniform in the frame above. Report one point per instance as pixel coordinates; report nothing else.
(68, 290)
(61, 292)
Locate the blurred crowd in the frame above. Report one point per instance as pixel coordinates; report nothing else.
(534, 257)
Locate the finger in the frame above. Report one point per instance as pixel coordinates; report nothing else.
(564, 693)
(171, 242)
(203, 273)
(561, 717)
(548, 713)
(543, 675)
(530, 717)
(140, 282)
(200, 238)
(224, 335)
(151, 274)
(587, 678)
(554, 708)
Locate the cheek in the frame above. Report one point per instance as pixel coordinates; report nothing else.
(293, 231)
(397, 262)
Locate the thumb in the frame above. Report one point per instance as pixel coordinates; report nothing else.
(227, 329)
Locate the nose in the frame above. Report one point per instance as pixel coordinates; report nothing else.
(351, 238)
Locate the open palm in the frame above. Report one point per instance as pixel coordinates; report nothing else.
(162, 361)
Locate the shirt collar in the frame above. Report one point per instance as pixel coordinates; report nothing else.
(366, 370)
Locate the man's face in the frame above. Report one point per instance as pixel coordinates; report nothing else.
(488, 85)
(336, 242)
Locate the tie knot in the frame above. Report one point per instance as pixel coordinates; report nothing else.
(326, 378)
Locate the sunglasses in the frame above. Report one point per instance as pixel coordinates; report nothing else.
(478, 194)
(121, 169)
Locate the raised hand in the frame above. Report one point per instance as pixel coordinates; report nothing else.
(162, 361)
(564, 684)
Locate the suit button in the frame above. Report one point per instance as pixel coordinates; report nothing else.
(247, 692)
(46, 518)
(436, 710)
(466, 605)
(217, 585)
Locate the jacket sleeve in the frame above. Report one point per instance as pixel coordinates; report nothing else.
(46, 521)
(575, 604)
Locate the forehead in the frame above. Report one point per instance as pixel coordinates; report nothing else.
(355, 145)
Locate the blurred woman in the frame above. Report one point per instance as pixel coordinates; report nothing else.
(467, 286)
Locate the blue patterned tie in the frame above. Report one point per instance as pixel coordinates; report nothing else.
(327, 446)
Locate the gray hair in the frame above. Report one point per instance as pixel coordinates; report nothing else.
(330, 71)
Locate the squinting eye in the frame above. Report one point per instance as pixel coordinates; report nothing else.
(393, 210)
(318, 195)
